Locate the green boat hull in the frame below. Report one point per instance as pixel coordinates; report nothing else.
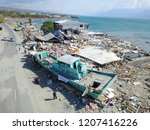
(76, 85)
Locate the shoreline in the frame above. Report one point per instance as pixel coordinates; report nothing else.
(136, 41)
(125, 37)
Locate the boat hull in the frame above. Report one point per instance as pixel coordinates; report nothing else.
(105, 80)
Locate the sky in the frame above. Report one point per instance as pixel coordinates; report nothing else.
(79, 7)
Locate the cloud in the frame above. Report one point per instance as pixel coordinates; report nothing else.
(17, 1)
(82, 7)
(114, 4)
(131, 4)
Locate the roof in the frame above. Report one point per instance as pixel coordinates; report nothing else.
(47, 37)
(98, 55)
(68, 59)
(69, 22)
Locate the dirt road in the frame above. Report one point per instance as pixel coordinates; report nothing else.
(15, 95)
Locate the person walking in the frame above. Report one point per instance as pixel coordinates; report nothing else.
(54, 95)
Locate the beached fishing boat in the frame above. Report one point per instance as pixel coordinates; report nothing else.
(71, 71)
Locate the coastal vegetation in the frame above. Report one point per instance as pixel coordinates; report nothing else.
(23, 14)
(2, 19)
(47, 27)
(17, 14)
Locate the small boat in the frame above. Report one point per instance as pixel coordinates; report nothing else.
(74, 73)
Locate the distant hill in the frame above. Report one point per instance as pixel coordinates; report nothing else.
(143, 14)
(25, 13)
(125, 13)
(18, 9)
(3, 8)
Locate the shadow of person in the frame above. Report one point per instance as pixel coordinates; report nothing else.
(48, 99)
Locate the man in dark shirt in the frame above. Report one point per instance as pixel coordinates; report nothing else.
(54, 95)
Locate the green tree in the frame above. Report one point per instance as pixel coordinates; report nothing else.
(47, 27)
(14, 15)
(2, 19)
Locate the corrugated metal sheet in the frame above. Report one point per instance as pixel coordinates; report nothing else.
(47, 37)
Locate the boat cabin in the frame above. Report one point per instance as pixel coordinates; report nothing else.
(70, 67)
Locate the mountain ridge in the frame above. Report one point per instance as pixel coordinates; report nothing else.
(125, 13)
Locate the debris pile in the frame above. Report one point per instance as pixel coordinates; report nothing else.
(132, 88)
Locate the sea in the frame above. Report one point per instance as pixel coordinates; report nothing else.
(136, 31)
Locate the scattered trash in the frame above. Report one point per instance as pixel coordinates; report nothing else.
(134, 98)
(93, 106)
(147, 84)
(147, 79)
(121, 90)
(137, 83)
(109, 93)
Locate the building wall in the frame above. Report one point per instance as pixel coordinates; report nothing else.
(74, 26)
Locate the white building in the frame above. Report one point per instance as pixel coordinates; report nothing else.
(70, 24)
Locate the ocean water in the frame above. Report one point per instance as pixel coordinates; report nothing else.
(136, 31)
(133, 30)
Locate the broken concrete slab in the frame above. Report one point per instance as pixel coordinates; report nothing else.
(98, 55)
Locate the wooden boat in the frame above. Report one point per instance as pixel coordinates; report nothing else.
(71, 71)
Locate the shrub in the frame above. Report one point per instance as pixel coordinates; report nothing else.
(47, 27)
